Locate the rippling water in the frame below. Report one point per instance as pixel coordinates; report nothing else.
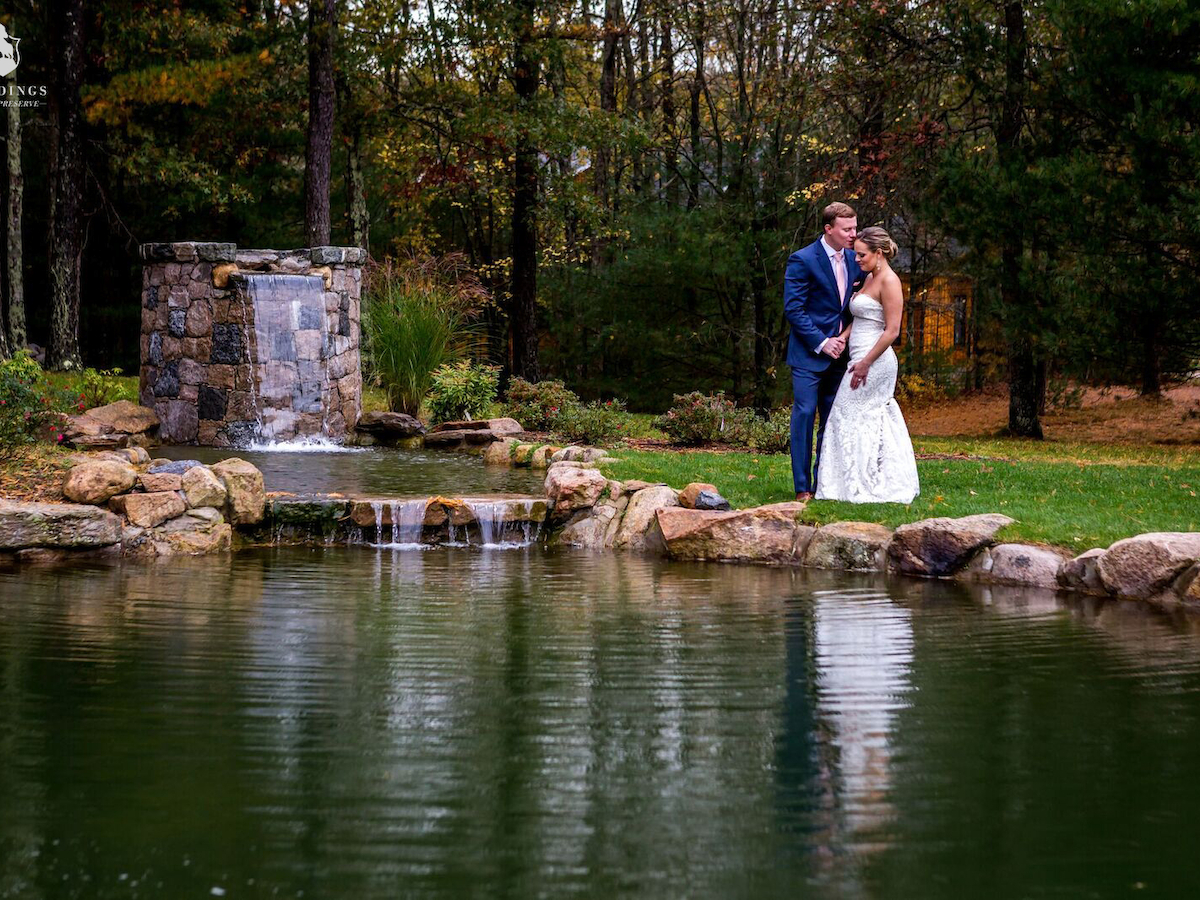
(450, 723)
(374, 471)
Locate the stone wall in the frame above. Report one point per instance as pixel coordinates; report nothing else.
(197, 341)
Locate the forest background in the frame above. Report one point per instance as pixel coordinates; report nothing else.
(628, 177)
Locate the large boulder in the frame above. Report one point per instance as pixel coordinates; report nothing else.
(56, 525)
(390, 426)
(125, 417)
(639, 526)
(471, 435)
(173, 467)
(1025, 564)
(596, 530)
(202, 487)
(148, 510)
(500, 453)
(859, 546)
(246, 496)
(98, 481)
(942, 546)
(570, 488)
(1145, 565)
(767, 534)
(701, 495)
(1080, 573)
(163, 481)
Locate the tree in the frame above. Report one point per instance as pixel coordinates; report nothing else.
(14, 250)
(318, 157)
(67, 182)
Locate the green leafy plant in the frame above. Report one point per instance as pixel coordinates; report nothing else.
(538, 406)
(772, 434)
(462, 390)
(27, 408)
(416, 318)
(598, 422)
(698, 418)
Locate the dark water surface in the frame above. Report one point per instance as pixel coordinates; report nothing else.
(374, 472)
(356, 723)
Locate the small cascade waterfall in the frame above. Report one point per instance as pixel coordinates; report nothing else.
(407, 521)
(498, 528)
(290, 386)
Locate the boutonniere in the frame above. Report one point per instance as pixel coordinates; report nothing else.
(859, 281)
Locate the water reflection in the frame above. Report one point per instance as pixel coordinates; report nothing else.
(358, 722)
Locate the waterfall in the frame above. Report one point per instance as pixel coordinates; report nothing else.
(290, 384)
(407, 521)
(498, 529)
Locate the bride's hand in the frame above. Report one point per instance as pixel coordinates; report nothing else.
(858, 374)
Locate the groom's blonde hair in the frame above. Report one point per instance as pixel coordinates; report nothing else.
(837, 210)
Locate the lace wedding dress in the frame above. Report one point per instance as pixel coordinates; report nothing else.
(867, 455)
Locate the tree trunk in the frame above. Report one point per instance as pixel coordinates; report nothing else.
(523, 310)
(14, 268)
(671, 156)
(608, 98)
(318, 163)
(1024, 386)
(356, 193)
(66, 168)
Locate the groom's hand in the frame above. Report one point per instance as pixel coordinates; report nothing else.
(834, 347)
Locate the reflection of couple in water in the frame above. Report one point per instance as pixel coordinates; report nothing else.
(8, 52)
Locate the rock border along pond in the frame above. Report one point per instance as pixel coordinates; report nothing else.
(125, 504)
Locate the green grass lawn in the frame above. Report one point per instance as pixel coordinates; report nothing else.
(1075, 496)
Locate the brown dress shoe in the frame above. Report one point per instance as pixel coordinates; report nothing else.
(804, 496)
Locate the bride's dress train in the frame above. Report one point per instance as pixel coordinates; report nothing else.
(867, 455)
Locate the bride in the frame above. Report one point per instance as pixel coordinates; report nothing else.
(867, 456)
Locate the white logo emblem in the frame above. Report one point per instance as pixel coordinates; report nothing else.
(10, 56)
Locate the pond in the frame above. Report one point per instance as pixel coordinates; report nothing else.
(350, 722)
(373, 472)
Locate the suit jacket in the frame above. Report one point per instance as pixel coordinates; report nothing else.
(812, 305)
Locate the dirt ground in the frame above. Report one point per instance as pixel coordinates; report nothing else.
(1114, 415)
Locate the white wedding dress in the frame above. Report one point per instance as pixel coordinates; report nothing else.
(867, 455)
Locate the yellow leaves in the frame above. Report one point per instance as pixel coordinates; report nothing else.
(265, 56)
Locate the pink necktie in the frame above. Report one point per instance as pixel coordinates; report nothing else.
(839, 271)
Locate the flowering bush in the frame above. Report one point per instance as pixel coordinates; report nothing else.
(698, 418)
(599, 422)
(27, 409)
(539, 406)
(462, 390)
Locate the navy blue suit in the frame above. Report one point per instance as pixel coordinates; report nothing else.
(815, 312)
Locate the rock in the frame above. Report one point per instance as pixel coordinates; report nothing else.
(541, 457)
(567, 454)
(499, 453)
(56, 525)
(767, 534)
(634, 485)
(390, 425)
(1145, 565)
(176, 467)
(201, 487)
(859, 546)
(500, 426)
(943, 545)
(125, 417)
(98, 481)
(308, 512)
(596, 530)
(569, 489)
(639, 526)
(84, 425)
(711, 500)
(244, 486)
(1080, 573)
(1187, 586)
(217, 539)
(523, 454)
(687, 497)
(1024, 564)
(163, 481)
(592, 454)
(148, 510)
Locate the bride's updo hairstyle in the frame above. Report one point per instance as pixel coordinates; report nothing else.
(878, 239)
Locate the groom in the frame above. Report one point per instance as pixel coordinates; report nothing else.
(816, 289)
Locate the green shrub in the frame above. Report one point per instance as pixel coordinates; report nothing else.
(538, 406)
(698, 418)
(416, 318)
(599, 422)
(462, 390)
(772, 434)
(27, 409)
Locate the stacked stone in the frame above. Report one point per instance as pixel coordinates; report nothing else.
(198, 329)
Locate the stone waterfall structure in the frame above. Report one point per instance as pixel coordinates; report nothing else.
(246, 346)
